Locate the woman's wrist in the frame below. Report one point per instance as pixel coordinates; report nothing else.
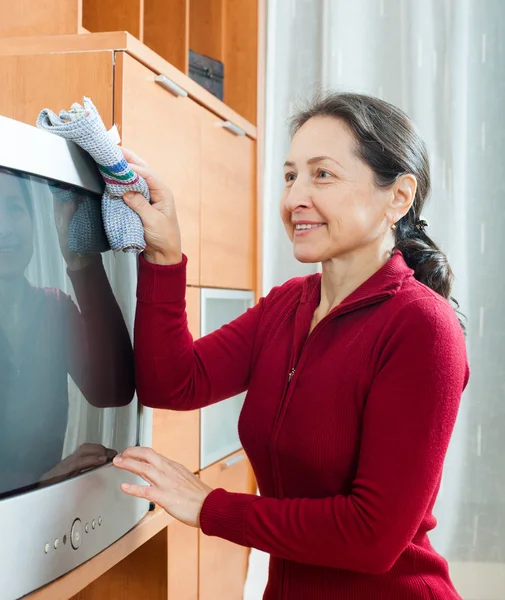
(162, 258)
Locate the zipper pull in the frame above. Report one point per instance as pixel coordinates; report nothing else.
(291, 373)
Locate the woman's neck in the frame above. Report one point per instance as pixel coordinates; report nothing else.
(343, 275)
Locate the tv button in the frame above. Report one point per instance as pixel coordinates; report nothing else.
(76, 534)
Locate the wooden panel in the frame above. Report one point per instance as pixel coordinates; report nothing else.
(30, 83)
(142, 574)
(109, 15)
(223, 565)
(241, 57)
(22, 46)
(176, 434)
(227, 217)
(206, 28)
(165, 131)
(67, 586)
(182, 577)
(260, 146)
(38, 17)
(166, 30)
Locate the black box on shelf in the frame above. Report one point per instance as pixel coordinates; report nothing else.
(208, 72)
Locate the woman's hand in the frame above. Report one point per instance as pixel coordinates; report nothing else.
(161, 228)
(172, 486)
(63, 213)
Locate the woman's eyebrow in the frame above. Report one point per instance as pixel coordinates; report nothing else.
(313, 160)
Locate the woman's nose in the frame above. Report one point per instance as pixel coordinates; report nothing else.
(298, 197)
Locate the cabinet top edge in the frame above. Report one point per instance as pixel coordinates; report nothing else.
(122, 41)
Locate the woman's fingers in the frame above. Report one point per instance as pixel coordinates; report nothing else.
(144, 454)
(131, 157)
(144, 462)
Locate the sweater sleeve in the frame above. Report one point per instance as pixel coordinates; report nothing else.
(408, 419)
(172, 370)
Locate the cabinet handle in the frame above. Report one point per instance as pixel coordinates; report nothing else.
(170, 86)
(226, 464)
(232, 128)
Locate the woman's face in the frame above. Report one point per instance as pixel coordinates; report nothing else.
(16, 227)
(331, 206)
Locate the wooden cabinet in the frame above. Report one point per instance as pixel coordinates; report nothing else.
(36, 81)
(164, 130)
(205, 152)
(182, 561)
(227, 221)
(176, 434)
(165, 567)
(223, 565)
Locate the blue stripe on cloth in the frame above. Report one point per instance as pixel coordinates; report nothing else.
(122, 165)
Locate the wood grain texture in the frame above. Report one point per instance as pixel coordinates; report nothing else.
(166, 30)
(206, 28)
(30, 83)
(93, 42)
(142, 574)
(223, 565)
(182, 576)
(38, 17)
(67, 586)
(260, 147)
(165, 131)
(241, 57)
(109, 15)
(227, 207)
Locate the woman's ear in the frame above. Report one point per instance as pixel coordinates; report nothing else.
(404, 192)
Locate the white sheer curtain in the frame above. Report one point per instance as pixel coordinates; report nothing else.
(443, 62)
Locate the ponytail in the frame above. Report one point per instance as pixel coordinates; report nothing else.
(426, 259)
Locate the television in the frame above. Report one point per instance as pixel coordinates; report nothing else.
(67, 390)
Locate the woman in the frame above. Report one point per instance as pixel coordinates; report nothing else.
(44, 337)
(354, 376)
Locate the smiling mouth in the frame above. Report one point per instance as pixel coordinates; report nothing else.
(304, 228)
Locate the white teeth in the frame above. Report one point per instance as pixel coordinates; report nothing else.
(306, 225)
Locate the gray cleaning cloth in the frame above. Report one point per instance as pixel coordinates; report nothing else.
(123, 227)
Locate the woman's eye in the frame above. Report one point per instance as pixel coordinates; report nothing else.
(323, 174)
(289, 177)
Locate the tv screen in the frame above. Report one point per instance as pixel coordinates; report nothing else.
(66, 312)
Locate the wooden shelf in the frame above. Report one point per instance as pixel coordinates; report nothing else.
(67, 586)
(123, 41)
(225, 30)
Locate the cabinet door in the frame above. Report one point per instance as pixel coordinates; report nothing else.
(223, 565)
(30, 83)
(182, 575)
(176, 434)
(219, 422)
(227, 205)
(164, 130)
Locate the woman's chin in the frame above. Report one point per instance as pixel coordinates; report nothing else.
(306, 257)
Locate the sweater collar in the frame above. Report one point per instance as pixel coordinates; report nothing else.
(383, 284)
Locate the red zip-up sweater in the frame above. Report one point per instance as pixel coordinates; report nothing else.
(346, 428)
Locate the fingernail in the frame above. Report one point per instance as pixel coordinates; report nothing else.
(129, 195)
(125, 486)
(117, 459)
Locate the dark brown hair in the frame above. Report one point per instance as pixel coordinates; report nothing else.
(388, 142)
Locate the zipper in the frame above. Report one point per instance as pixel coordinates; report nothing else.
(338, 311)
